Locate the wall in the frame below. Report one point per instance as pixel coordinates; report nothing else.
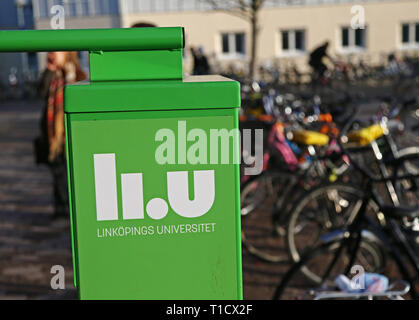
(321, 22)
(9, 20)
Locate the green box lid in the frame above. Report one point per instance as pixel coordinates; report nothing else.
(193, 92)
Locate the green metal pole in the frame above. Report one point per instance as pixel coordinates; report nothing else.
(124, 39)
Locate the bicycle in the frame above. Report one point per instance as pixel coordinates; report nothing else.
(262, 231)
(331, 206)
(340, 250)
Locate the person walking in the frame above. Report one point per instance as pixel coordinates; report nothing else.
(62, 68)
(200, 62)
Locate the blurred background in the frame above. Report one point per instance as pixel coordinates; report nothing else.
(303, 64)
(286, 30)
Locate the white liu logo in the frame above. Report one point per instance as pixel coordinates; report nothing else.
(133, 198)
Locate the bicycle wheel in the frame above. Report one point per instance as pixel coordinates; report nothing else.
(410, 119)
(408, 189)
(257, 190)
(297, 185)
(296, 286)
(259, 236)
(321, 211)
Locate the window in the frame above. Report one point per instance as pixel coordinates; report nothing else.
(300, 40)
(70, 8)
(405, 33)
(75, 8)
(84, 8)
(353, 39)
(233, 44)
(43, 11)
(359, 38)
(410, 34)
(293, 41)
(239, 37)
(101, 7)
(225, 39)
(345, 37)
(285, 42)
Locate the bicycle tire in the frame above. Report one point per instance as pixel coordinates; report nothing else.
(293, 250)
(255, 220)
(410, 166)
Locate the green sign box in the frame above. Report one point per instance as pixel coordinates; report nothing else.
(155, 208)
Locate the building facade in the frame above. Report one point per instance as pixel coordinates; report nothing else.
(78, 14)
(16, 15)
(288, 29)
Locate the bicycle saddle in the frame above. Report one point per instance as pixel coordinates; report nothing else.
(400, 212)
(307, 137)
(366, 135)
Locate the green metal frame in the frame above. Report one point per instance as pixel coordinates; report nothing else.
(135, 39)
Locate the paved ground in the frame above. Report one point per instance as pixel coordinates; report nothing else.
(31, 242)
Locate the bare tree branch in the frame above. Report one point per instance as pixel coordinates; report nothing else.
(238, 8)
(247, 10)
(259, 4)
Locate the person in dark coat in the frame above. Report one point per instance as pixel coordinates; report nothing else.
(200, 62)
(62, 68)
(316, 59)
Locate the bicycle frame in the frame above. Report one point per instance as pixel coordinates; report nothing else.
(391, 237)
